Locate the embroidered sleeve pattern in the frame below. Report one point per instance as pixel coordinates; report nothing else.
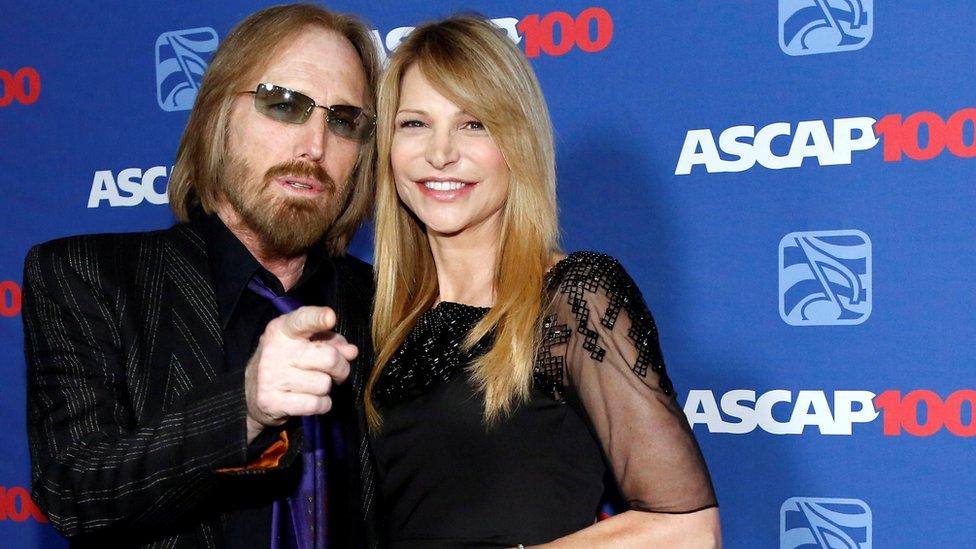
(580, 278)
(600, 344)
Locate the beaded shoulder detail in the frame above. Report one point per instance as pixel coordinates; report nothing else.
(575, 281)
(431, 354)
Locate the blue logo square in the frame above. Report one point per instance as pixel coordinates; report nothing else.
(825, 278)
(807, 27)
(181, 59)
(824, 523)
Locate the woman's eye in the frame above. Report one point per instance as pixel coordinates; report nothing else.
(411, 124)
(473, 125)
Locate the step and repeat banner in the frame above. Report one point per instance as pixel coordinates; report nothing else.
(792, 183)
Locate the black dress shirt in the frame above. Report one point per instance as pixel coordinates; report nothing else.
(243, 316)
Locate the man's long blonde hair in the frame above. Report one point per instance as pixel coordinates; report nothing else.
(473, 64)
(242, 55)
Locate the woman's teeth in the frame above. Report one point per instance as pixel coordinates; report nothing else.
(443, 185)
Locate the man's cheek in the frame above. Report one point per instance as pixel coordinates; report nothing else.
(341, 166)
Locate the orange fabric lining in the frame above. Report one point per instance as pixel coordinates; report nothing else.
(267, 460)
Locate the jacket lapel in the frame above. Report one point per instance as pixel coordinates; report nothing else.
(353, 302)
(196, 355)
(353, 299)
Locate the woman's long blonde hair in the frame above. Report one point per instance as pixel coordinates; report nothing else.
(472, 63)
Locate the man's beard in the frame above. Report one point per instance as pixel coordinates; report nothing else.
(287, 226)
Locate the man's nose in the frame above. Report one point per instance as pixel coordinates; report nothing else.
(312, 136)
(442, 149)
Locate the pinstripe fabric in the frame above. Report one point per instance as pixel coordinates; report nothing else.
(130, 411)
(362, 308)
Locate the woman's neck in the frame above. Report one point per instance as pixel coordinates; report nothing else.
(465, 265)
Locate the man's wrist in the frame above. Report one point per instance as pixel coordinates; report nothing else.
(254, 428)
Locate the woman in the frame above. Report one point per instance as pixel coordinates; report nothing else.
(508, 375)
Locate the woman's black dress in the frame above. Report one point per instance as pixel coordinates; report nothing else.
(600, 398)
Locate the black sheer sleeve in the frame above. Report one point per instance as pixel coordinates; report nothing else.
(600, 343)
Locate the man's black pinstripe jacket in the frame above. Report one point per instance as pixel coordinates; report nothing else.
(130, 414)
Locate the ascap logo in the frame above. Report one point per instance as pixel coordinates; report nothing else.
(17, 505)
(779, 145)
(919, 413)
(554, 34)
(9, 298)
(393, 38)
(776, 412)
(810, 139)
(23, 86)
(129, 188)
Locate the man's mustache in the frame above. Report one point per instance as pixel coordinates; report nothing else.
(298, 168)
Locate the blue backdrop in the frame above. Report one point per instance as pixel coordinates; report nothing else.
(790, 182)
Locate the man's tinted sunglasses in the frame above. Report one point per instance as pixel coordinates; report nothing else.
(295, 108)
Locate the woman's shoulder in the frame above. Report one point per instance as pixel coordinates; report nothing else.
(588, 271)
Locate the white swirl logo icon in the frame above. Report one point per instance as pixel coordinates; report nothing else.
(827, 523)
(181, 60)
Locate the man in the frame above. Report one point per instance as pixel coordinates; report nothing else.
(167, 398)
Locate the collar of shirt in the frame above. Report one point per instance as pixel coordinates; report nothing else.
(232, 266)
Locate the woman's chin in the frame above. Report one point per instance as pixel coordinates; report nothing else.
(444, 230)
(442, 225)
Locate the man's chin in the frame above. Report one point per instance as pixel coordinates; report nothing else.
(289, 245)
(289, 228)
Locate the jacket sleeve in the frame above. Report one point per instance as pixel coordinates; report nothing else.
(95, 469)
